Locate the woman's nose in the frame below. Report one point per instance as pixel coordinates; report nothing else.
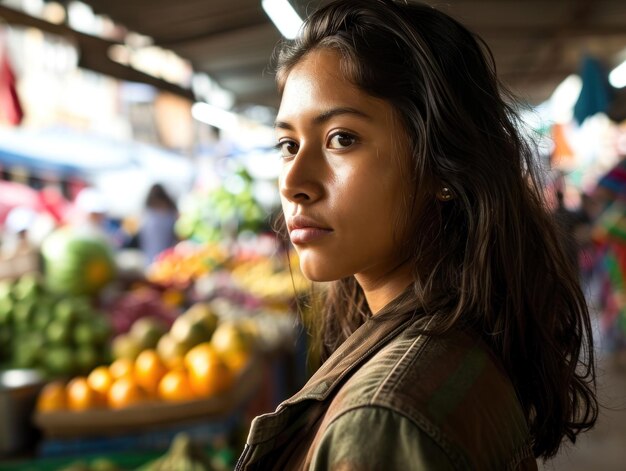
(301, 179)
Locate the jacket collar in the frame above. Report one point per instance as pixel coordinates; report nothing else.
(365, 341)
(370, 337)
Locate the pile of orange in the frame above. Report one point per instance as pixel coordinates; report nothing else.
(203, 373)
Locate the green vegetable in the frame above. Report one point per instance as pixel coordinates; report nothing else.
(86, 358)
(27, 287)
(61, 334)
(57, 332)
(223, 212)
(103, 464)
(60, 361)
(6, 290)
(182, 456)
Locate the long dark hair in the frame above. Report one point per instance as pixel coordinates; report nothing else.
(491, 258)
(159, 198)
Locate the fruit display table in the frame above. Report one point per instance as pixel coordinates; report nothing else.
(149, 416)
(204, 342)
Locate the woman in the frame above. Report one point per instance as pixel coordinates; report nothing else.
(455, 334)
(157, 227)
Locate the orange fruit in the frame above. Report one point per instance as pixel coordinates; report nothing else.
(52, 397)
(125, 392)
(149, 369)
(175, 386)
(100, 380)
(236, 360)
(208, 373)
(173, 297)
(80, 396)
(122, 367)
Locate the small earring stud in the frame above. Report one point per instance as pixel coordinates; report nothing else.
(445, 194)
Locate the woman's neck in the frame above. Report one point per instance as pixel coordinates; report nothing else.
(381, 290)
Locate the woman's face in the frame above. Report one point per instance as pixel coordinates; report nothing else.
(342, 183)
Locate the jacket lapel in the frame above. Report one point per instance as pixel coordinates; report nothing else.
(370, 337)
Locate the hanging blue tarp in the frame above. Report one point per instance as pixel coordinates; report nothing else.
(595, 95)
(62, 151)
(122, 170)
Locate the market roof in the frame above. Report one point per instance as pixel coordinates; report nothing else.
(536, 43)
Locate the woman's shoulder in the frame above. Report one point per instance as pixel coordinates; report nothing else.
(375, 437)
(368, 438)
(450, 387)
(425, 369)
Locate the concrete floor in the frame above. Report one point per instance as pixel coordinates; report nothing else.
(604, 447)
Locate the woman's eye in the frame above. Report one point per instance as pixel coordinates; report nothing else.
(287, 148)
(341, 140)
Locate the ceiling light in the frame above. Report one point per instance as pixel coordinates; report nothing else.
(119, 53)
(283, 16)
(617, 77)
(81, 17)
(54, 13)
(214, 116)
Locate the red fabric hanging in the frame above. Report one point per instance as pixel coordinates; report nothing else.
(10, 107)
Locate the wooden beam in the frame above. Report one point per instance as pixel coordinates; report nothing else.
(523, 32)
(93, 52)
(207, 36)
(580, 14)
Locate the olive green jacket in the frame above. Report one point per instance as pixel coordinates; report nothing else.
(391, 398)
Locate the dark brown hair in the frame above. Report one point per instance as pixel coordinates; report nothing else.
(159, 198)
(491, 258)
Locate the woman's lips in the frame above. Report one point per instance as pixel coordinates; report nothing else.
(305, 235)
(304, 229)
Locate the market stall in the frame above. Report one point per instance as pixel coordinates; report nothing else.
(60, 155)
(201, 344)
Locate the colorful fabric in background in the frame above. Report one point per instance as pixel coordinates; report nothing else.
(562, 154)
(610, 226)
(609, 233)
(613, 319)
(615, 181)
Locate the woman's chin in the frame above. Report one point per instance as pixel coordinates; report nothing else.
(319, 273)
(322, 266)
(317, 276)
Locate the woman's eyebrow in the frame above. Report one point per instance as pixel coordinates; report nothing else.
(325, 116)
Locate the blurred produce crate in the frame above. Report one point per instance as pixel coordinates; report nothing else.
(157, 440)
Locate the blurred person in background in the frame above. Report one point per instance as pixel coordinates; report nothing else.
(587, 247)
(454, 333)
(575, 225)
(570, 221)
(156, 232)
